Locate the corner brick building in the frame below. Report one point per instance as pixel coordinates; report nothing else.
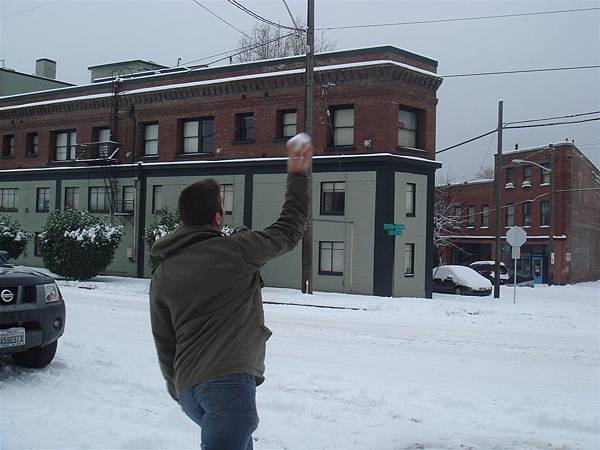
(372, 83)
(125, 147)
(571, 215)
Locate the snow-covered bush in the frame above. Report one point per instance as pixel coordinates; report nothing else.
(13, 238)
(77, 244)
(163, 222)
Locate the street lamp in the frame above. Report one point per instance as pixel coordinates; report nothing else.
(525, 161)
(551, 230)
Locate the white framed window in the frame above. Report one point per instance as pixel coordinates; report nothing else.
(244, 124)
(128, 203)
(333, 198)
(198, 135)
(458, 216)
(408, 124)
(66, 144)
(331, 258)
(8, 146)
(544, 174)
(156, 199)
(471, 216)
(544, 213)
(343, 126)
(9, 200)
(527, 220)
(411, 199)
(151, 139)
(288, 121)
(485, 216)
(409, 259)
(103, 142)
(31, 145)
(510, 215)
(42, 200)
(98, 200)
(71, 198)
(227, 198)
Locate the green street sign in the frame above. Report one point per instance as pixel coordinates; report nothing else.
(393, 229)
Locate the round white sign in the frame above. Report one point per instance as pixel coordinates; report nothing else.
(516, 236)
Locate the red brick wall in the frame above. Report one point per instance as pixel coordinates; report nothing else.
(376, 101)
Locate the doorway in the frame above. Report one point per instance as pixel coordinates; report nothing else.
(538, 269)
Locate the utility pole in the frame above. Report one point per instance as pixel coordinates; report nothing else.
(497, 203)
(551, 258)
(307, 240)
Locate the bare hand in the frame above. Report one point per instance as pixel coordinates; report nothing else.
(299, 158)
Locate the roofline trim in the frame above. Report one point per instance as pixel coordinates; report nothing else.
(218, 81)
(238, 161)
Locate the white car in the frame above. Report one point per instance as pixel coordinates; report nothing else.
(460, 280)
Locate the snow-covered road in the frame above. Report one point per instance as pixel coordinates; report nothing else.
(448, 373)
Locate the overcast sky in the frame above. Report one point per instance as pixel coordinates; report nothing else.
(81, 33)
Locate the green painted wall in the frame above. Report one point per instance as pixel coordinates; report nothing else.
(355, 228)
(414, 232)
(358, 236)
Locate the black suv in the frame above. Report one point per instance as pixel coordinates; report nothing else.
(32, 315)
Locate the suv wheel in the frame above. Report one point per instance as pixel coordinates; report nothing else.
(458, 291)
(37, 357)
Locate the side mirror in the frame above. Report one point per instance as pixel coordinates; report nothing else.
(4, 256)
(449, 278)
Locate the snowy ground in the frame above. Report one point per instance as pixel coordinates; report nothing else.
(448, 373)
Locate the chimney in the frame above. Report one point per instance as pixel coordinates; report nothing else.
(516, 146)
(45, 68)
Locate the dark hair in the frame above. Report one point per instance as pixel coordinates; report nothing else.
(199, 202)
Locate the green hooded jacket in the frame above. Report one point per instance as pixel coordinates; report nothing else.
(205, 295)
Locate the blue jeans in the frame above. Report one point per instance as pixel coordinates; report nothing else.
(225, 409)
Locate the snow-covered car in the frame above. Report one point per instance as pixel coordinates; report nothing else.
(32, 315)
(488, 270)
(460, 280)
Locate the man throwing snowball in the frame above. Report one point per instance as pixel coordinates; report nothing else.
(206, 305)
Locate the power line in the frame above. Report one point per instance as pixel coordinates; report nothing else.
(517, 126)
(221, 19)
(290, 13)
(31, 9)
(245, 49)
(456, 19)
(466, 142)
(554, 118)
(505, 72)
(257, 16)
(551, 124)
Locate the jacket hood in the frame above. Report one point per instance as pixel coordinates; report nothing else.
(182, 236)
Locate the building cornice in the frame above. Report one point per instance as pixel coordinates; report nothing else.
(294, 78)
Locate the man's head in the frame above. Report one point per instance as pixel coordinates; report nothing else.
(200, 204)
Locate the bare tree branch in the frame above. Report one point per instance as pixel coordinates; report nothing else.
(269, 42)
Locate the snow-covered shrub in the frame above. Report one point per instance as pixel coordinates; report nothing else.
(77, 244)
(163, 222)
(13, 238)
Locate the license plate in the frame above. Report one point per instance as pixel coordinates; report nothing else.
(12, 337)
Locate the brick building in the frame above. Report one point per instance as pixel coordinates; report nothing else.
(244, 110)
(571, 215)
(127, 146)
